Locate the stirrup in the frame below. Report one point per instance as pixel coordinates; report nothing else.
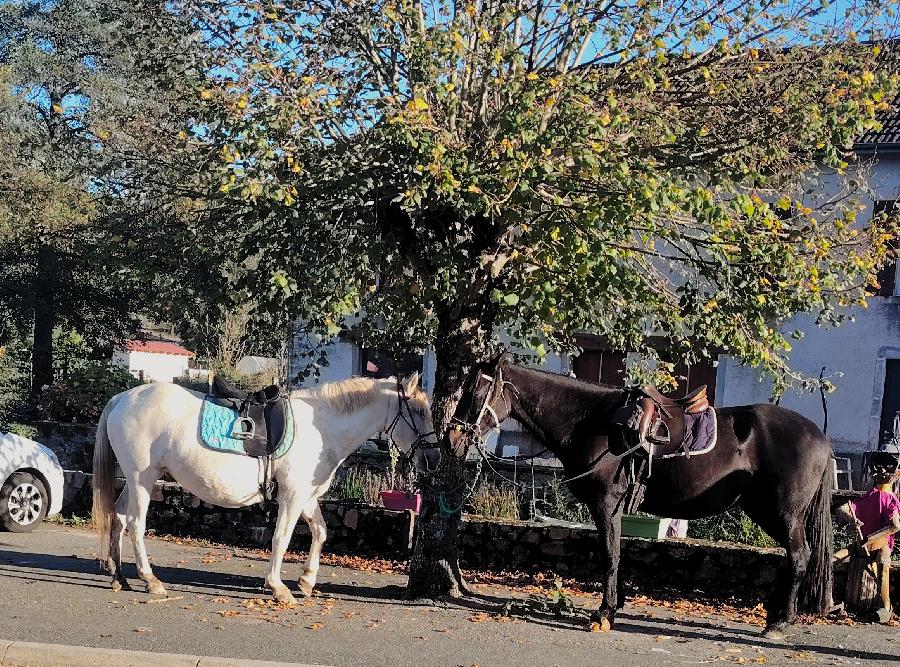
(244, 429)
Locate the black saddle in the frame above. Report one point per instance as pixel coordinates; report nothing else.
(262, 415)
(222, 388)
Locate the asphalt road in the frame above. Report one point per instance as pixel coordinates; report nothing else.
(51, 591)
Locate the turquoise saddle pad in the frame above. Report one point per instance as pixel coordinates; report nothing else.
(217, 424)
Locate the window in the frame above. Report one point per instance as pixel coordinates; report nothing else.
(890, 400)
(375, 364)
(603, 366)
(887, 276)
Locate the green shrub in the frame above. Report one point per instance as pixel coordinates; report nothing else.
(559, 503)
(82, 396)
(360, 484)
(492, 500)
(731, 526)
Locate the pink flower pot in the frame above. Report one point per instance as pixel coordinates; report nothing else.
(402, 500)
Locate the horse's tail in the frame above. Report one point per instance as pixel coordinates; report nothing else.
(816, 588)
(104, 481)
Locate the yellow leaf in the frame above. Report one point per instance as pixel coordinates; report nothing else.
(205, 94)
(531, 76)
(417, 104)
(58, 108)
(602, 626)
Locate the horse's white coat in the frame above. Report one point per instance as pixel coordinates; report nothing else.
(154, 429)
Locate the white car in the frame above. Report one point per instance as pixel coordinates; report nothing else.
(32, 483)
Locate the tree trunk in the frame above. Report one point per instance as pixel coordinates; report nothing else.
(43, 289)
(434, 566)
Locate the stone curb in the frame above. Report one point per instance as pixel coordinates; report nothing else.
(29, 654)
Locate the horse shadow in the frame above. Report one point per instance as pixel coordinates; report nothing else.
(86, 572)
(79, 571)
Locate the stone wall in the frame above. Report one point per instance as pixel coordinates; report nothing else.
(72, 443)
(688, 566)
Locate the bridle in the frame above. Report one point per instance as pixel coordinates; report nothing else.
(404, 414)
(487, 408)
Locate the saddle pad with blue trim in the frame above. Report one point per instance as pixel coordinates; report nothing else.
(274, 429)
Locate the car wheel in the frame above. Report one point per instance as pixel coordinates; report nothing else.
(23, 503)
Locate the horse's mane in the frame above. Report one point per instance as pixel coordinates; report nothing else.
(567, 382)
(345, 396)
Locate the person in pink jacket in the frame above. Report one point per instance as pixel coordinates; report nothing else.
(876, 517)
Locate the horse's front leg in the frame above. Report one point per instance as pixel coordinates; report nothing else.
(288, 513)
(608, 518)
(317, 529)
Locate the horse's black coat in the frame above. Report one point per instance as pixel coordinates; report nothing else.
(771, 461)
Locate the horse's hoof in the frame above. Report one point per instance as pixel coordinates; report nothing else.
(306, 588)
(283, 596)
(775, 632)
(116, 585)
(602, 616)
(156, 588)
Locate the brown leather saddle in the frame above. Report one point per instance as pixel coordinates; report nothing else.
(262, 415)
(661, 425)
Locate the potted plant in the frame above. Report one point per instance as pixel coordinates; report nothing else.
(399, 499)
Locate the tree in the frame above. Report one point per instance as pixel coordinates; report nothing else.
(444, 171)
(82, 119)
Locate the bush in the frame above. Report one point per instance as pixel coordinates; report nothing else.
(731, 526)
(81, 397)
(559, 503)
(359, 484)
(492, 500)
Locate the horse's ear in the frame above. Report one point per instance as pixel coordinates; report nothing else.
(499, 358)
(411, 384)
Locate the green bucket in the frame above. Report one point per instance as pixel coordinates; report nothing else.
(644, 526)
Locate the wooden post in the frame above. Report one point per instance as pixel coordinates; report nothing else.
(863, 593)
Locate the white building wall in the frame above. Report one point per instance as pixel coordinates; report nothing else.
(156, 367)
(857, 350)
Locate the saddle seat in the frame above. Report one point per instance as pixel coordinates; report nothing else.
(222, 388)
(263, 417)
(662, 424)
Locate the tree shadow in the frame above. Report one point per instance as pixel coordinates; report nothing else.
(76, 571)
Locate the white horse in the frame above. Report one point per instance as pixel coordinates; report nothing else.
(153, 429)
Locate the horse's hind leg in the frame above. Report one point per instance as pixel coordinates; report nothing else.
(317, 528)
(139, 487)
(116, 528)
(788, 530)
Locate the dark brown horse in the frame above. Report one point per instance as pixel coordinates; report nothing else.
(774, 463)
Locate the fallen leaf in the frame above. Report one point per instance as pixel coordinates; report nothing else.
(143, 629)
(602, 626)
(316, 626)
(158, 600)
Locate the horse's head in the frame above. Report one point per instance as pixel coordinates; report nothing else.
(485, 401)
(411, 428)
